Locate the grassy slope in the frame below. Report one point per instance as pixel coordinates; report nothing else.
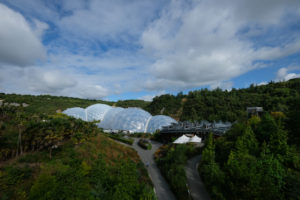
(25, 177)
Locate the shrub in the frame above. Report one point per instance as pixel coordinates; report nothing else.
(145, 144)
(121, 139)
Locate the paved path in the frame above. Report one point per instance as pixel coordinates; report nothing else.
(196, 186)
(162, 189)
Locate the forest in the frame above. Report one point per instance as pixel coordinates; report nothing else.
(256, 159)
(259, 158)
(226, 105)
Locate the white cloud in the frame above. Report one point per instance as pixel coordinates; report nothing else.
(39, 28)
(35, 80)
(222, 85)
(92, 91)
(200, 44)
(150, 97)
(99, 48)
(262, 83)
(19, 44)
(108, 20)
(52, 82)
(283, 75)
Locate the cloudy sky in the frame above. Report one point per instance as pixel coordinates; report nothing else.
(126, 49)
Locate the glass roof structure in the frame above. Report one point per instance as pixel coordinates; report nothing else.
(131, 119)
(76, 112)
(158, 121)
(110, 117)
(123, 119)
(97, 111)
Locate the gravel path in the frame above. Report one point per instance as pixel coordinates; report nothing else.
(162, 189)
(196, 186)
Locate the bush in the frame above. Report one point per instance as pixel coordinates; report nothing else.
(171, 161)
(145, 144)
(122, 139)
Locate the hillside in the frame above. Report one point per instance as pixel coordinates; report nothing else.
(57, 157)
(227, 105)
(46, 104)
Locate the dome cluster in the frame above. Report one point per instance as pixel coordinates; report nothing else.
(116, 118)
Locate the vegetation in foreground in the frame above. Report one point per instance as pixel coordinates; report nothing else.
(121, 138)
(254, 160)
(145, 144)
(57, 157)
(171, 160)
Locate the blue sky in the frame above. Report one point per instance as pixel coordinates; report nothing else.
(139, 49)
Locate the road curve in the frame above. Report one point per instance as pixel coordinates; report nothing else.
(195, 184)
(162, 189)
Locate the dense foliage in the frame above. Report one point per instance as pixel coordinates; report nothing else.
(171, 160)
(21, 132)
(46, 104)
(145, 144)
(252, 161)
(227, 105)
(58, 157)
(131, 103)
(121, 138)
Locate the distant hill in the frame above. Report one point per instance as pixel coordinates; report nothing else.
(47, 104)
(227, 105)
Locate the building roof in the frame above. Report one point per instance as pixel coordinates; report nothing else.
(182, 140)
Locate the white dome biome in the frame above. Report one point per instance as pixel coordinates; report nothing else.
(76, 112)
(158, 121)
(97, 111)
(123, 119)
(131, 119)
(110, 117)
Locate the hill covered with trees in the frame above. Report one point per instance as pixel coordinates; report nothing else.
(254, 160)
(226, 105)
(47, 104)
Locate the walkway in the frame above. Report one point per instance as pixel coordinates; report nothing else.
(162, 188)
(196, 186)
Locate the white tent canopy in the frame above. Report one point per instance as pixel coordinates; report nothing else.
(195, 139)
(182, 140)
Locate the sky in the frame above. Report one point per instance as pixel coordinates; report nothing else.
(139, 49)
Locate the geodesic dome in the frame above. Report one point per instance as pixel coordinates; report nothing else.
(97, 111)
(76, 112)
(131, 119)
(158, 121)
(116, 118)
(109, 118)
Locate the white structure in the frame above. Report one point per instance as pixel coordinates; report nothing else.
(195, 139)
(184, 139)
(122, 119)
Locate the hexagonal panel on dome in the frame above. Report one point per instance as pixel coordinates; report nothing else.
(131, 119)
(97, 111)
(76, 112)
(110, 117)
(158, 121)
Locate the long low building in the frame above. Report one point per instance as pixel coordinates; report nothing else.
(203, 127)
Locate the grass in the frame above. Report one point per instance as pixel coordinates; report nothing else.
(121, 139)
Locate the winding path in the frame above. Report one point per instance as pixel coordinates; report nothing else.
(196, 186)
(162, 189)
